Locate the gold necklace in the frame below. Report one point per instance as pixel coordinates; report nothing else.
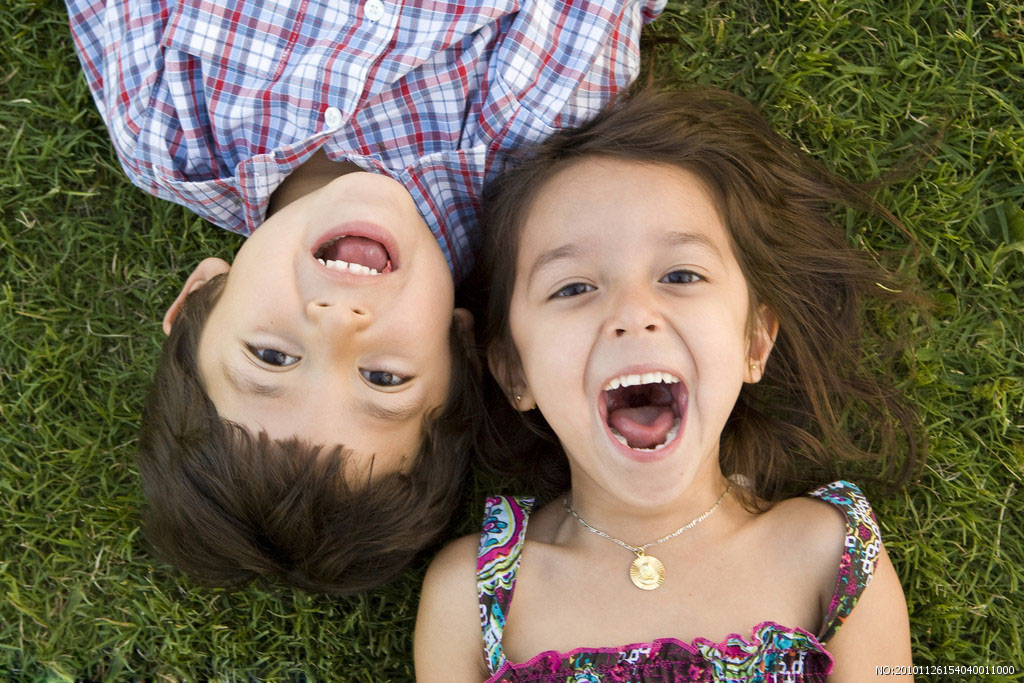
(647, 572)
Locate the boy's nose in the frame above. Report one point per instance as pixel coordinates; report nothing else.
(340, 317)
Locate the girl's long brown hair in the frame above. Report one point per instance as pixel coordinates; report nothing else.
(817, 404)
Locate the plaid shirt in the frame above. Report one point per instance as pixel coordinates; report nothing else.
(212, 103)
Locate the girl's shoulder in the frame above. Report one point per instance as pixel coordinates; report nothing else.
(823, 518)
(830, 538)
(472, 576)
(447, 636)
(501, 536)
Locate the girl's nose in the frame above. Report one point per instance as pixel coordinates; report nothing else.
(634, 313)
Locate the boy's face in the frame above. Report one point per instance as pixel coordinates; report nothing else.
(329, 354)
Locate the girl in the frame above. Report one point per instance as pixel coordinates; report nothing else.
(683, 314)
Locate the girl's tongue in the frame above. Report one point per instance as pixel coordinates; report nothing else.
(643, 427)
(361, 250)
(642, 414)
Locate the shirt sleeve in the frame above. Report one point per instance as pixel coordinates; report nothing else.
(558, 64)
(118, 45)
(152, 99)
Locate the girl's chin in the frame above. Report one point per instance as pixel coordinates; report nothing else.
(651, 483)
(642, 490)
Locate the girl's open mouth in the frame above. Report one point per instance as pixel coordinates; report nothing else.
(644, 411)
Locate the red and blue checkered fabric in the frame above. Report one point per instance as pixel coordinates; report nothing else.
(212, 103)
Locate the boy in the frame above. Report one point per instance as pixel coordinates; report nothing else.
(364, 130)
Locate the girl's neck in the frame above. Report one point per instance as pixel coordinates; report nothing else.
(637, 522)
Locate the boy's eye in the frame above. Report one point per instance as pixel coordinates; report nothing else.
(383, 378)
(681, 277)
(575, 289)
(273, 357)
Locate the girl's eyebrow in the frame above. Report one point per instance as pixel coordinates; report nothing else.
(566, 251)
(673, 238)
(678, 238)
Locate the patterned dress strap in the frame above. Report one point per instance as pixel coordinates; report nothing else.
(497, 565)
(862, 545)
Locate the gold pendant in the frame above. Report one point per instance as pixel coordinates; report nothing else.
(647, 572)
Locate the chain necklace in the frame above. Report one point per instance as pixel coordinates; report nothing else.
(647, 572)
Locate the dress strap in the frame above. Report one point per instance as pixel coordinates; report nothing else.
(497, 566)
(862, 546)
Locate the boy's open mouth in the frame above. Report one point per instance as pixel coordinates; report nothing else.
(643, 411)
(354, 254)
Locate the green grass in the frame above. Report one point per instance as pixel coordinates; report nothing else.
(90, 263)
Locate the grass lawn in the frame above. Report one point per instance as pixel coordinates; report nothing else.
(89, 264)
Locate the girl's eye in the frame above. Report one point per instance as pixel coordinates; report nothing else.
(383, 378)
(575, 289)
(681, 277)
(273, 357)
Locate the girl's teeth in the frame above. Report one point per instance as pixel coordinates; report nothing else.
(646, 378)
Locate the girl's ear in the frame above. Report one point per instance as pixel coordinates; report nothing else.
(510, 378)
(206, 269)
(762, 340)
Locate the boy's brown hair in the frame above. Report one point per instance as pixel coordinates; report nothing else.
(817, 402)
(227, 506)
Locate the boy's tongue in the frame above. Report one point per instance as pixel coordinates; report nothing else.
(643, 427)
(361, 250)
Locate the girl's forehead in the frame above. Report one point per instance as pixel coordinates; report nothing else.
(623, 201)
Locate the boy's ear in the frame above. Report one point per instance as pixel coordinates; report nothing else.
(510, 379)
(463, 321)
(761, 343)
(206, 269)
(464, 327)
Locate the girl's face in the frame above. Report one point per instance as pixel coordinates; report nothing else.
(630, 316)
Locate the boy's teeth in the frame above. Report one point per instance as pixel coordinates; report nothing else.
(646, 378)
(350, 267)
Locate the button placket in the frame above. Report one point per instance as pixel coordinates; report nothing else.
(373, 10)
(332, 117)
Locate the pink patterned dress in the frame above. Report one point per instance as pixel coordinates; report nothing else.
(772, 652)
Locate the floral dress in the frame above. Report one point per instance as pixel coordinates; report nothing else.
(772, 652)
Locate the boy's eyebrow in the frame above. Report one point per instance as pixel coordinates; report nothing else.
(570, 250)
(382, 412)
(247, 385)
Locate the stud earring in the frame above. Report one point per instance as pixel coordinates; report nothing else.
(754, 370)
(518, 398)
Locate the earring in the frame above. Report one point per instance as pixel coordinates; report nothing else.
(518, 398)
(754, 370)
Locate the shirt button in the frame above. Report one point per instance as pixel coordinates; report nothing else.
(332, 117)
(373, 10)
